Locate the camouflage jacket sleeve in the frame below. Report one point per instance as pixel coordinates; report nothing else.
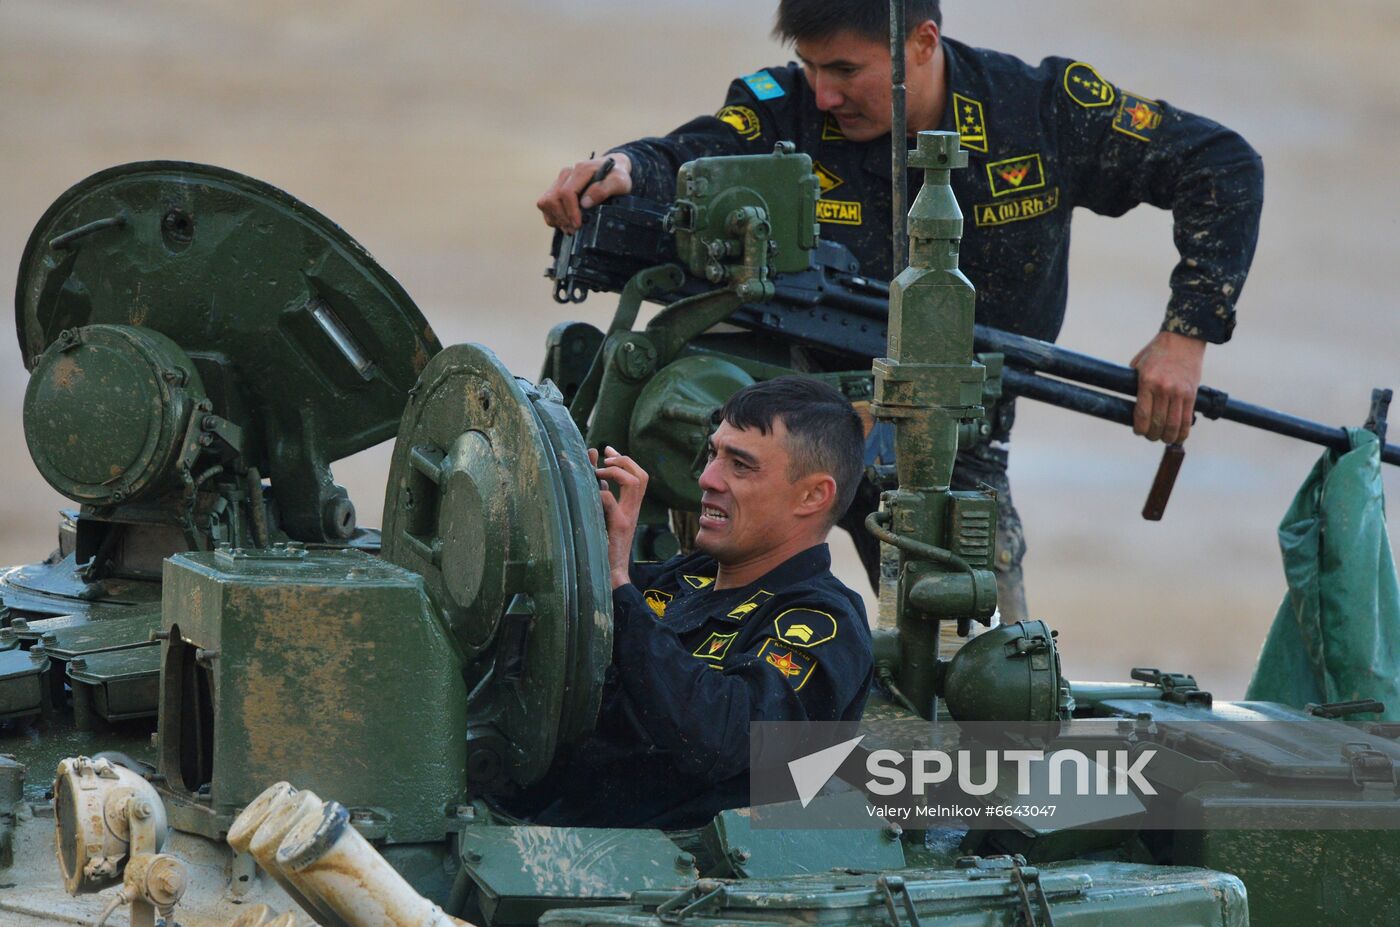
(1122, 149)
(749, 122)
(700, 714)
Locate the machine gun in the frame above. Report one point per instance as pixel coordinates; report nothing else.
(833, 307)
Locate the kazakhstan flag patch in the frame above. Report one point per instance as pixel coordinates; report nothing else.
(764, 86)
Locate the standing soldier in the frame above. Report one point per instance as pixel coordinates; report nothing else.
(1042, 140)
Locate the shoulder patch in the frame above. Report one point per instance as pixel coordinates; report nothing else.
(715, 646)
(971, 121)
(1137, 117)
(697, 582)
(1087, 88)
(796, 666)
(753, 602)
(763, 85)
(657, 601)
(831, 130)
(828, 178)
(804, 627)
(742, 120)
(1016, 175)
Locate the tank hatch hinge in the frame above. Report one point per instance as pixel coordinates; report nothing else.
(1369, 766)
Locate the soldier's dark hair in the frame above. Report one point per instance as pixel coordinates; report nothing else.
(798, 20)
(824, 433)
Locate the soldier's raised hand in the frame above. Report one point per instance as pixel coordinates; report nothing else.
(620, 512)
(561, 202)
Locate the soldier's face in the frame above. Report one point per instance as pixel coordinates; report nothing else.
(850, 77)
(748, 504)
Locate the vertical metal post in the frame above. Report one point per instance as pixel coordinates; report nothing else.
(899, 147)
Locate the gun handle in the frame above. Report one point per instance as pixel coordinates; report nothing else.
(1161, 491)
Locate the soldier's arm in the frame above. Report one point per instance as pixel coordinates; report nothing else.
(698, 704)
(1122, 149)
(745, 124)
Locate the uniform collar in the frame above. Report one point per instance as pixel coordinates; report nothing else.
(877, 159)
(810, 563)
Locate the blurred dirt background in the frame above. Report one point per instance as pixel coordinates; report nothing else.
(427, 129)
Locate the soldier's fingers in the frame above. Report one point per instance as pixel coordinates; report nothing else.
(1142, 412)
(1171, 425)
(623, 478)
(550, 202)
(617, 183)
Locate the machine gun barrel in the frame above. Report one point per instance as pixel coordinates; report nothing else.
(1026, 358)
(835, 307)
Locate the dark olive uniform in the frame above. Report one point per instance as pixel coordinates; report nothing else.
(1041, 141)
(692, 668)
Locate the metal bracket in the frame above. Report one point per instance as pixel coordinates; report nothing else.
(1369, 765)
(888, 885)
(1380, 408)
(1027, 881)
(1177, 688)
(1344, 709)
(701, 896)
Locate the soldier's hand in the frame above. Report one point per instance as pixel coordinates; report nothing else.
(620, 511)
(1169, 371)
(561, 202)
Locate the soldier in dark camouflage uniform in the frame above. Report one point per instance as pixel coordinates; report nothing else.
(1042, 140)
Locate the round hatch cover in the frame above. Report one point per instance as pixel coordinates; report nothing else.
(492, 500)
(284, 312)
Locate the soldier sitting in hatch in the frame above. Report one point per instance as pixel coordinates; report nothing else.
(750, 627)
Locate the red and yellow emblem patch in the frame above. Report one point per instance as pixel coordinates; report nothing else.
(1137, 117)
(795, 665)
(1016, 175)
(715, 646)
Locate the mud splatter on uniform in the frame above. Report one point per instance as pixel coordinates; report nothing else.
(1042, 140)
(692, 667)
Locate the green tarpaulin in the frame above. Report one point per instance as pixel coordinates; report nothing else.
(1337, 634)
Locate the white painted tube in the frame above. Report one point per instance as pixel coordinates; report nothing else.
(329, 859)
(282, 815)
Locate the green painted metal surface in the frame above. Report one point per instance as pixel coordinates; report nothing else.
(736, 848)
(983, 894)
(122, 684)
(492, 500)
(930, 387)
(520, 872)
(305, 346)
(325, 667)
(107, 413)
